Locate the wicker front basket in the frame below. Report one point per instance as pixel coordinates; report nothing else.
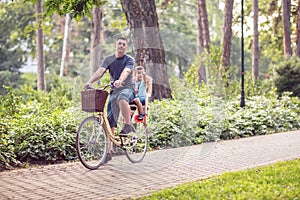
(93, 100)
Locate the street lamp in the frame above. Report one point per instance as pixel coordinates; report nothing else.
(242, 104)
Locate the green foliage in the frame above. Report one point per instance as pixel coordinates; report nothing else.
(14, 17)
(278, 181)
(264, 87)
(206, 113)
(210, 61)
(180, 121)
(77, 8)
(36, 126)
(287, 77)
(270, 32)
(261, 115)
(78, 42)
(7, 148)
(45, 138)
(8, 78)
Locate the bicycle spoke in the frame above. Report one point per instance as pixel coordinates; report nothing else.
(91, 143)
(136, 143)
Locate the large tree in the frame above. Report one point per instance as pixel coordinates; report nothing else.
(97, 27)
(202, 11)
(147, 44)
(286, 10)
(203, 38)
(66, 47)
(200, 42)
(40, 46)
(297, 49)
(227, 37)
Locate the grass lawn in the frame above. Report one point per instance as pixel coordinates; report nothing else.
(278, 181)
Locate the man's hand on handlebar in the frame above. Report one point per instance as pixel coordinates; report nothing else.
(88, 86)
(118, 83)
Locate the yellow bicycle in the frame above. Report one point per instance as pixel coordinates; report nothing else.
(94, 135)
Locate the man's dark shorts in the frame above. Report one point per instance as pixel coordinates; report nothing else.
(113, 109)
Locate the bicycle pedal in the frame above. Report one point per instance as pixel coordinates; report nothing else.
(131, 141)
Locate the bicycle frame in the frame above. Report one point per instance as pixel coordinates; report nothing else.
(107, 128)
(116, 140)
(92, 151)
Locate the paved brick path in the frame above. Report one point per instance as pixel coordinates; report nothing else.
(120, 179)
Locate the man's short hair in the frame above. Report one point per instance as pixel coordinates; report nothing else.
(122, 38)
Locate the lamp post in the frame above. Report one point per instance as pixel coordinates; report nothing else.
(242, 103)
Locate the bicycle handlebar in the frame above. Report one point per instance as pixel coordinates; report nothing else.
(89, 87)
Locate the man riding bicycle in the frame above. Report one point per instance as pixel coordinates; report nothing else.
(120, 67)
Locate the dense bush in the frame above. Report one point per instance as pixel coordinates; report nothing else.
(207, 113)
(261, 115)
(182, 120)
(38, 126)
(12, 79)
(287, 77)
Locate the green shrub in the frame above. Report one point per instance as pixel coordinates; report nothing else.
(46, 137)
(261, 87)
(8, 158)
(206, 114)
(9, 78)
(261, 115)
(36, 126)
(287, 77)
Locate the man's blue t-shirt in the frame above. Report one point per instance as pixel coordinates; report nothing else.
(115, 67)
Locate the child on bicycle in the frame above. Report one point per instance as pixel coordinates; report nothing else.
(143, 86)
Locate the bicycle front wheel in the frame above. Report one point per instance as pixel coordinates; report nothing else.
(91, 142)
(136, 144)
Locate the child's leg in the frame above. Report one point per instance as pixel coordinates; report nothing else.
(139, 105)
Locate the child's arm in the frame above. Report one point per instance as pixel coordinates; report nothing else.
(149, 86)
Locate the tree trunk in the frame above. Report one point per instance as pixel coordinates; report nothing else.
(95, 55)
(200, 45)
(203, 36)
(204, 22)
(147, 44)
(286, 10)
(65, 45)
(255, 47)
(226, 38)
(180, 64)
(39, 46)
(297, 50)
(200, 42)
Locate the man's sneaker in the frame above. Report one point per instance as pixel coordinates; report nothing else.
(125, 130)
(107, 158)
(141, 116)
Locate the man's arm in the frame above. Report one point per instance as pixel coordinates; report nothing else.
(97, 75)
(125, 73)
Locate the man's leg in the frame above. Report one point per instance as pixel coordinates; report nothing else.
(124, 98)
(112, 109)
(125, 110)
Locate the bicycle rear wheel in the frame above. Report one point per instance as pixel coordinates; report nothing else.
(91, 142)
(136, 144)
